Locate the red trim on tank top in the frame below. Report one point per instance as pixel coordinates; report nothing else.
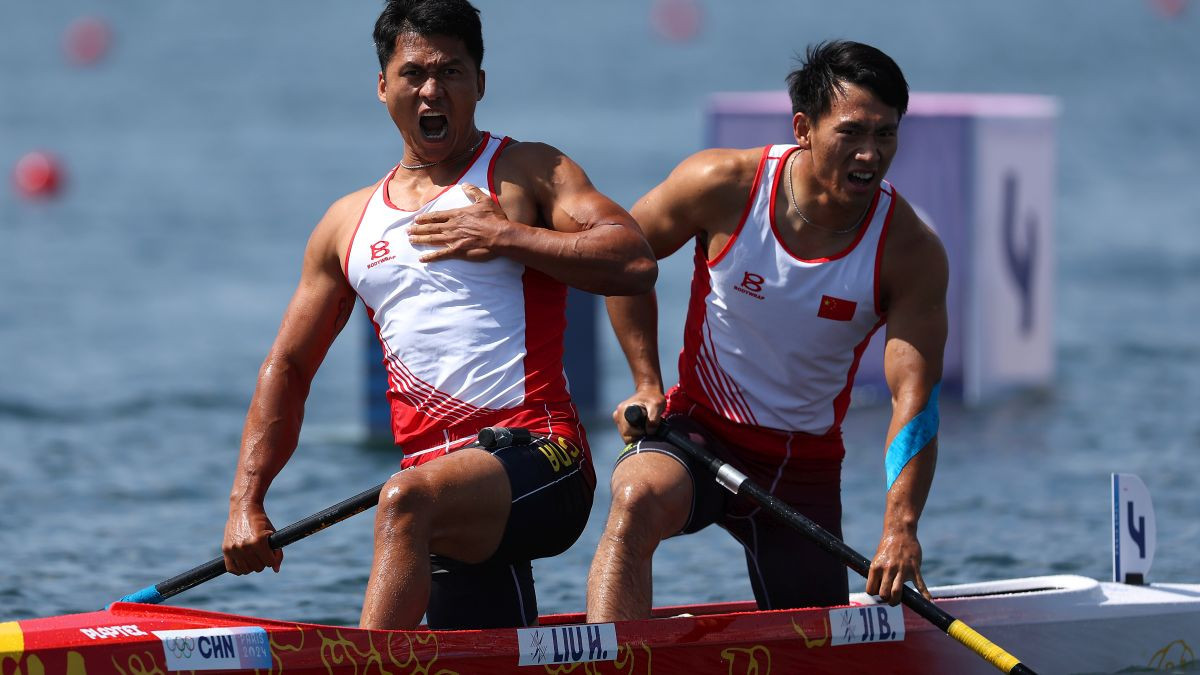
(697, 360)
(421, 397)
(778, 178)
(887, 221)
(701, 288)
(862, 231)
(430, 400)
(361, 216)
(762, 163)
(387, 200)
(548, 418)
(560, 413)
(491, 172)
(759, 443)
(841, 403)
(737, 407)
(709, 375)
(545, 325)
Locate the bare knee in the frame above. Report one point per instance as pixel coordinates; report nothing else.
(403, 503)
(643, 513)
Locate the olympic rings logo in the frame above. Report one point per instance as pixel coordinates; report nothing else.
(181, 647)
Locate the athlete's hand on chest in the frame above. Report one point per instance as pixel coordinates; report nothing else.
(468, 233)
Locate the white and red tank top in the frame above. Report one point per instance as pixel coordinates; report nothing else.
(773, 340)
(465, 344)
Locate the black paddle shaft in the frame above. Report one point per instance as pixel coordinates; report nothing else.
(739, 484)
(489, 437)
(287, 535)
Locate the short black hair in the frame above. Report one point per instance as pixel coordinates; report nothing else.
(453, 18)
(827, 66)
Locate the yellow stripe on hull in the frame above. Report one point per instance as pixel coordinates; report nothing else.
(12, 640)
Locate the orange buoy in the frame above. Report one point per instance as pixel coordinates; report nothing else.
(37, 175)
(86, 40)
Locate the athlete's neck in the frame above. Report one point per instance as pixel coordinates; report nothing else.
(417, 166)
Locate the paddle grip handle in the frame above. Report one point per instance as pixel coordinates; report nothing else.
(636, 416)
(503, 437)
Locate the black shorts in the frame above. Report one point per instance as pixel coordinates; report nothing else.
(552, 491)
(786, 569)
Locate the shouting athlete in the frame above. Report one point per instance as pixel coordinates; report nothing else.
(462, 255)
(802, 252)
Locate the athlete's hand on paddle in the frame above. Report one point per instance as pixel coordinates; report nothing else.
(467, 233)
(897, 560)
(649, 398)
(245, 547)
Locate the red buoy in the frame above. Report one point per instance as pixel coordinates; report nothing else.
(1170, 9)
(86, 40)
(676, 20)
(37, 175)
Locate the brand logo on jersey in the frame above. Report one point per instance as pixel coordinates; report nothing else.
(752, 285)
(836, 309)
(380, 253)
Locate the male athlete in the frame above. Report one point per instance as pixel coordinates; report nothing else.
(461, 255)
(802, 252)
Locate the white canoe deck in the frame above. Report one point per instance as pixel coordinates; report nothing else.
(1070, 624)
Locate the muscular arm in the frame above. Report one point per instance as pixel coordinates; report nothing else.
(317, 312)
(915, 280)
(587, 241)
(698, 198)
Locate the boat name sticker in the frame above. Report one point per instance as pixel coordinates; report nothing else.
(241, 647)
(106, 632)
(576, 643)
(867, 623)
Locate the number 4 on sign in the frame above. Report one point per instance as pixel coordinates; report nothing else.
(1134, 532)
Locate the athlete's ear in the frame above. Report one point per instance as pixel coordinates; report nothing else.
(381, 91)
(481, 85)
(801, 130)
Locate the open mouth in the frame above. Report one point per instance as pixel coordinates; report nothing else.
(862, 178)
(434, 126)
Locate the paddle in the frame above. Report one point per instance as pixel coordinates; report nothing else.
(489, 437)
(288, 535)
(739, 484)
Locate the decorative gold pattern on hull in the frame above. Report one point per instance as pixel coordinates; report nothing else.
(810, 643)
(757, 660)
(1177, 654)
(134, 665)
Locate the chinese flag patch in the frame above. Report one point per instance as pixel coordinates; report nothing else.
(836, 309)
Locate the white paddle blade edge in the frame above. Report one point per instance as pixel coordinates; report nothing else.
(1134, 531)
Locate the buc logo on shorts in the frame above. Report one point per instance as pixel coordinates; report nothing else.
(561, 453)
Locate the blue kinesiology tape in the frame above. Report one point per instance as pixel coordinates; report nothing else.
(913, 437)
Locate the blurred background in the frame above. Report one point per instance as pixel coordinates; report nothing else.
(164, 163)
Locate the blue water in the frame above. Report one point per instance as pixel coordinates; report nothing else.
(136, 309)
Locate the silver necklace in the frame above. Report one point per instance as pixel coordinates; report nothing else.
(792, 198)
(426, 165)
